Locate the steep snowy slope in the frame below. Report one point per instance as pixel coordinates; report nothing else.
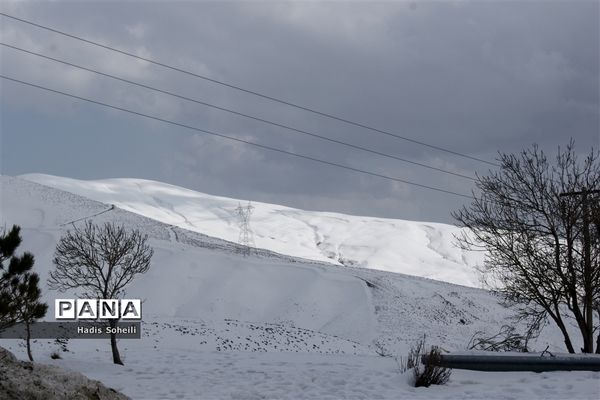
(218, 325)
(414, 248)
(191, 282)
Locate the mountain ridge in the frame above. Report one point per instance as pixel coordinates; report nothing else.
(415, 248)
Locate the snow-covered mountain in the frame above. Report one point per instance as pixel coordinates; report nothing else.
(195, 276)
(221, 325)
(413, 248)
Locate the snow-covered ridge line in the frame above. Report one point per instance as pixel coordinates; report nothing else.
(408, 247)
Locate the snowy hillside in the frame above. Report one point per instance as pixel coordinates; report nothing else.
(218, 325)
(197, 281)
(199, 277)
(413, 248)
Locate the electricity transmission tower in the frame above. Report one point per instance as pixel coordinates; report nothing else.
(246, 237)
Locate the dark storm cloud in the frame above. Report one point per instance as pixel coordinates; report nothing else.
(477, 77)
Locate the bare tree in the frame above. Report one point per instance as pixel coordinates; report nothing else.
(101, 261)
(539, 250)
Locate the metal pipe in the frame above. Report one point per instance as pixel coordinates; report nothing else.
(533, 363)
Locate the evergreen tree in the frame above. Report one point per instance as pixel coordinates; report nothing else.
(19, 288)
(26, 297)
(11, 269)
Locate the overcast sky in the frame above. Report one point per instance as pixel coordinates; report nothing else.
(474, 77)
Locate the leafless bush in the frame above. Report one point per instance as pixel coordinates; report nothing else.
(427, 370)
(508, 339)
(381, 350)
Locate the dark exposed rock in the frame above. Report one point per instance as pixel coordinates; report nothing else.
(21, 380)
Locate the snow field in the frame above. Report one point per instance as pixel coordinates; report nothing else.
(218, 325)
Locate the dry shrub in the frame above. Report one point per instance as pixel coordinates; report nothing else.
(426, 365)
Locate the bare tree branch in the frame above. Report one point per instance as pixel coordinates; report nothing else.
(535, 237)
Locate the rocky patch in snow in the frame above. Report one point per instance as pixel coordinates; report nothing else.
(20, 380)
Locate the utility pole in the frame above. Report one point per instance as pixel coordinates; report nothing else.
(588, 346)
(246, 237)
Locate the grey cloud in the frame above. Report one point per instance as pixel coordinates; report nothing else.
(471, 76)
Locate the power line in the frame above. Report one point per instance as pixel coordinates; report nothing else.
(252, 92)
(295, 130)
(262, 146)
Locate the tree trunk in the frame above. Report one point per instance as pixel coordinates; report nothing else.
(580, 317)
(588, 337)
(113, 343)
(27, 326)
(563, 329)
(559, 322)
(598, 338)
(588, 298)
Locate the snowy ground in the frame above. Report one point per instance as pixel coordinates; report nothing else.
(181, 373)
(218, 325)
